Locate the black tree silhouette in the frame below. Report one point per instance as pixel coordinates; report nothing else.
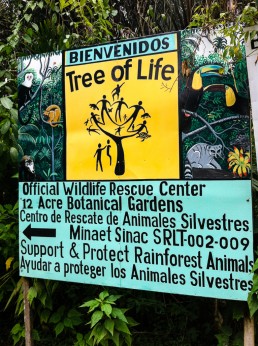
(118, 127)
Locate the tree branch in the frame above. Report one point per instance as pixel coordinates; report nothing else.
(209, 125)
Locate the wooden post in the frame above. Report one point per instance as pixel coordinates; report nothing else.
(249, 331)
(27, 315)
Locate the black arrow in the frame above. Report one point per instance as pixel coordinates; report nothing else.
(39, 232)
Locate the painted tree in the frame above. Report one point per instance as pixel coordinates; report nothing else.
(118, 127)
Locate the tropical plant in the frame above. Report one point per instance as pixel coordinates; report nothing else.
(229, 20)
(239, 162)
(108, 322)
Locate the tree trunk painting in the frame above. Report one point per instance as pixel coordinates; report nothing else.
(120, 162)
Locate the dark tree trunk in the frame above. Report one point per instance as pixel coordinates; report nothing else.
(120, 162)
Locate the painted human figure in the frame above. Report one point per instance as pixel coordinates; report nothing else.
(137, 109)
(118, 130)
(98, 153)
(142, 127)
(116, 91)
(104, 107)
(119, 107)
(108, 146)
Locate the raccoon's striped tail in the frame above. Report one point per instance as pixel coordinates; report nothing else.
(188, 170)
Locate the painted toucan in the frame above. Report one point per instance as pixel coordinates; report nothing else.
(190, 97)
(234, 101)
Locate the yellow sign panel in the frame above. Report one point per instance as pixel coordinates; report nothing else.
(122, 118)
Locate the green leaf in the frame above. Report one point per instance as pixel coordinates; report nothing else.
(96, 317)
(73, 313)
(223, 336)
(117, 313)
(55, 318)
(68, 323)
(79, 337)
(35, 27)
(63, 4)
(252, 303)
(103, 295)
(253, 33)
(238, 310)
(115, 338)
(30, 32)
(14, 113)
(54, 18)
(14, 154)
(59, 328)
(88, 304)
(92, 304)
(121, 326)
(109, 325)
(6, 102)
(27, 38)
(32, 294)
(95, 332)
(107, 308)
(113, 298)
(3, 83)
(16, 328)
(255, 266)
(4, 126)
(128, 339)
(27, 17)
(35, 335)
(132, 322)
(102, 332)
(255, 283)
(44, 315)
(40, 4)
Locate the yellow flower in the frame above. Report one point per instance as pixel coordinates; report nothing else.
(8, 263)
(239, 162)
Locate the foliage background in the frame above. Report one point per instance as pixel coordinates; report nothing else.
(31, 27)
(36, 137)
(212, 106)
